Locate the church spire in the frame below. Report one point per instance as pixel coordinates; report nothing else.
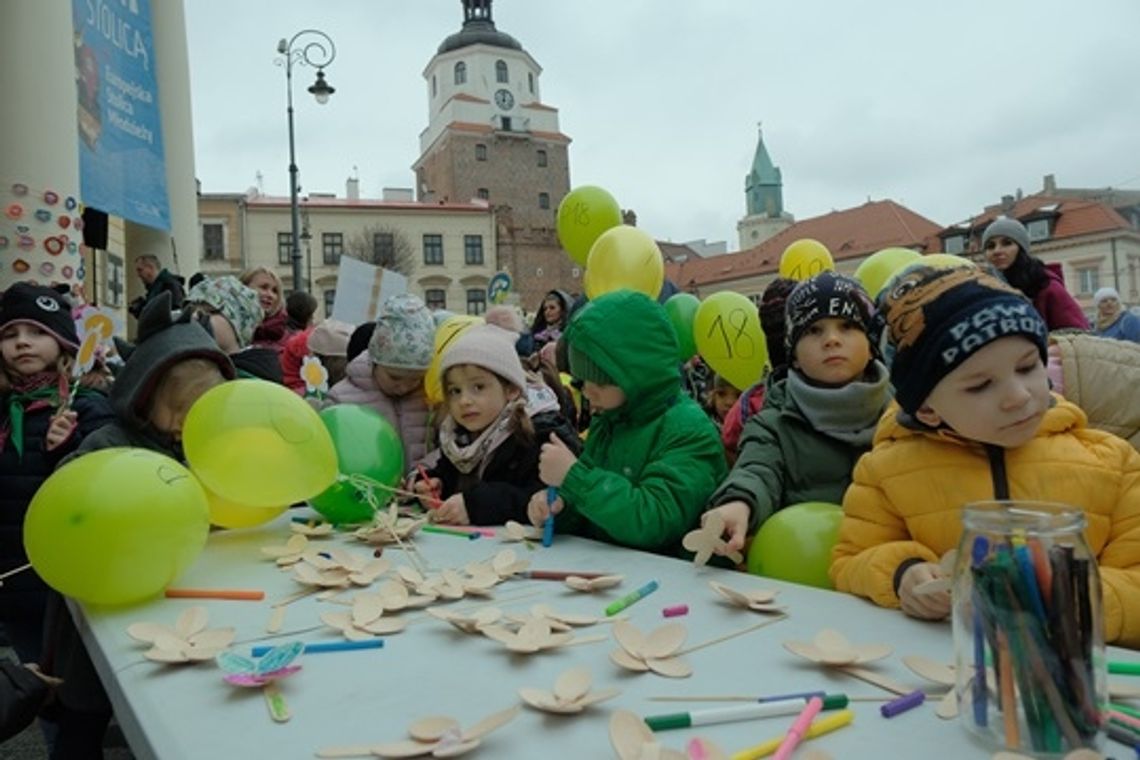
(763, 186)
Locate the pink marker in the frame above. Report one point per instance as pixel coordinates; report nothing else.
(676, 610)
(798, 729)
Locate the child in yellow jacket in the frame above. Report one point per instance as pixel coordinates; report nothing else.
(975, 421)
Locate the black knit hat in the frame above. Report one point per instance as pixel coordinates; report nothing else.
(772, 310)
(43, 307)
(826, 296)
(938, 318)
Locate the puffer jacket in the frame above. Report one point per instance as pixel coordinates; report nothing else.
(906, 501)
(1101, 376)
(407, 414)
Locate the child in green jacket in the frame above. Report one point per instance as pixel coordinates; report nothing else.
(652, 456)
(818, 420)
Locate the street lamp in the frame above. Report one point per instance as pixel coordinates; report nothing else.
(315, 48)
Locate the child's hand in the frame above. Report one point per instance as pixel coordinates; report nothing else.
(60, 429)
(555, 461)
(452, 510)
(735, 515)
(933, 606)
(537, 508)
(427, 490)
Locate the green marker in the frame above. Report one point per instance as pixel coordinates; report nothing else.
(630, 599)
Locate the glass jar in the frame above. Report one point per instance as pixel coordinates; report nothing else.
(1027, 614)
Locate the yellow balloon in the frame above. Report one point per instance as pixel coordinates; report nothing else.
(878, 268)
(945, 261)
(116, 526)
(583, 215)
(624, 257)
(256, 442)
(451, 329)
(729, 338)
(229, 514)
(805, 258)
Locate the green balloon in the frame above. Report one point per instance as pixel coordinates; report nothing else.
(795, 544)
(682, 310)
(366, 444)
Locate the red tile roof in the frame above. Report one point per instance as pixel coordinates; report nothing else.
(1074, 217)
(850, 233)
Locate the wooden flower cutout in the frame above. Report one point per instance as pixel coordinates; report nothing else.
(590, 585)
(438, 736)
(507, 564)
(388, 530)
(757, 600)
(312, 529)
(187, 641)
(473, 623)
(535, 635)
(396, 597)
(290, 553)
(366, 619)
(943, 675)
(946, 575)
(706, 539)
(264, 673)
(515, 531)
(324, 576)
(571, 694)
(830, 647)
(564, 618)
(633, 740)
(656, 652)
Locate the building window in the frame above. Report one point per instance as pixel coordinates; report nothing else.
(330, 301)
(284, 247)
(434, 89)
(433, 250)
(501, 72)
(542, 158)
(461, 73)
(483, 193)
(113, 285)
(1089, 280)
(480, 152)
(213, 241)
(473, 249)
(954, 244)
(332, 247)
(476, 301)
(506, 120)
(544, 200)
(1038, 229)
(530, 81)
(435, 298)
(383, 247)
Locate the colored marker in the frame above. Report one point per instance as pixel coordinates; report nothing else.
(557, 575)
(433, 503)
(1124, 668)
(736, 713)
(485, 532)
(902, 704)
(231, 594)
(676, 610)
(548, 525)
(820, 727)
(328, 646)
(798, 729)
(449, 531)
(631, 598)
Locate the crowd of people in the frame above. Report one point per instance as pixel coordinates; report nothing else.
(953, 385)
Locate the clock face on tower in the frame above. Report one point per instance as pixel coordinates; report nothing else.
(504, 99)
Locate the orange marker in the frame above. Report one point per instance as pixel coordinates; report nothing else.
(232, 594)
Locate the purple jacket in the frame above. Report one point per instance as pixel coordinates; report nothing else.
(1056, 306)
(408, 414)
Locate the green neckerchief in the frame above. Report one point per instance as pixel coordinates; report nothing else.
(16, 404)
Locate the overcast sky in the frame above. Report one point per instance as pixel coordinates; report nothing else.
(942, 107)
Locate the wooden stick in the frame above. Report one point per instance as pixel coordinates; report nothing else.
(727, 636)
(585, 640)
(232, 594)
(876, 679)
(19, 569)
(276, 620)
(299, 595)
(744, 698)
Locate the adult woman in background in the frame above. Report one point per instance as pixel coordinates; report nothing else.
(273, 330)
(1112, 319)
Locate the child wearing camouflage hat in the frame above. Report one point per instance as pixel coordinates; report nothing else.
(976, 421)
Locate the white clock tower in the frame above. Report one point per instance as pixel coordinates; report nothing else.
(490, 136)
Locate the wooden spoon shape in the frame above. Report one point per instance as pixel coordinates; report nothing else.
(432, 728)
(572, 685)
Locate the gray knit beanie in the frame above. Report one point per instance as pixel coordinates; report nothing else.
(1010, 228)
(489, 347)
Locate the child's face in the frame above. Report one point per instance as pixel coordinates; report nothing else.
(397, 382)
(723, 397)
(997, 396)
(475, 396)
(171, 405)
(28, 349)
(603, 398)
(1001, 251)
(833, 351)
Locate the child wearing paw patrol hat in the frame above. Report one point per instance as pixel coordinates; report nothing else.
(975, 421)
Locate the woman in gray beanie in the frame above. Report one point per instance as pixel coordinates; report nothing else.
(1006, 245)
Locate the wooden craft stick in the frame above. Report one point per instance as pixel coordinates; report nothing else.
(298, 596)
(727, 636)
(876, 679)
(232, 594)
(19, 569)
(276, 620)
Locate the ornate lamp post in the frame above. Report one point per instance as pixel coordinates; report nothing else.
(315, 48)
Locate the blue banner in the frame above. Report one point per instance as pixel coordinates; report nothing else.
(122, 167)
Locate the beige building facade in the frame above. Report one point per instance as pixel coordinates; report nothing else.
(446, 250)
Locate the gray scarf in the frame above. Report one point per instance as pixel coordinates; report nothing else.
(849, 413)
(466, 453)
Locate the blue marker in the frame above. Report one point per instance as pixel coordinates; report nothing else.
(548, 526)
(328, 646)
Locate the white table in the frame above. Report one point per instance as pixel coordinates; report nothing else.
(371, 696)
